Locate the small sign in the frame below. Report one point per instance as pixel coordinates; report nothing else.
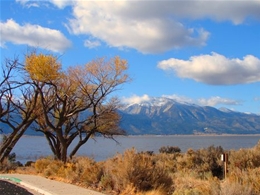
(222, 157)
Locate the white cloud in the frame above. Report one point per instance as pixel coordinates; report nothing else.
(32, 3)
(91, 43)
(215, 69)
(213, 101)
(135, 99)
(62, 3)
(179, 98)
(28, 3)
(23, 2)
(151, 26)
(154, 26)
(232, 10)
(33, 35)
(124, 24)
(256, 99)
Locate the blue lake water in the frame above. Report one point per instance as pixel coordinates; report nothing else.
(33, 147)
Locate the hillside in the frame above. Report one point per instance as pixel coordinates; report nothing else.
(163, 116)
(166, 116)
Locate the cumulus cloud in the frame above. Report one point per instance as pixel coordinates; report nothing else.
(154, 26)
(91, 43)
(33, 35)
(133, 25)
(135, 99)
(213, 101)
(23, 2)
(62, 3)
(232, 10)
(256, 99)
(28, 3)
(215, 69)
(179, 98)
(58, 3)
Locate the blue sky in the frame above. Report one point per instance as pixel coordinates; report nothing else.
(203, 52)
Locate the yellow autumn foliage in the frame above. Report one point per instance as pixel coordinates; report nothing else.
(42, 67)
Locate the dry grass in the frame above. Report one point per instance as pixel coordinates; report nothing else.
(140, 171)
(246, 181)
(189, 183)
(131, 173)
(235, 188)
(130, 190)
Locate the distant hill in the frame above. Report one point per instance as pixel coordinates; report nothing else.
(167, 116)
(164, 116)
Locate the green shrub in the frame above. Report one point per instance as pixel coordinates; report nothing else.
(170, 149)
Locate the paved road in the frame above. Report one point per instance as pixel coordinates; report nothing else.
(44, 186)
(7, 188)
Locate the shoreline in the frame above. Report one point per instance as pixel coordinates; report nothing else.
(168, 135)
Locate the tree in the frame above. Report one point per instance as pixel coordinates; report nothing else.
(17, 105)
(76, 103)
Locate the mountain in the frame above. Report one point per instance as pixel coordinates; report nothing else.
(164, 116)
(167, 116)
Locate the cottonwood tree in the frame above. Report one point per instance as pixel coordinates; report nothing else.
(76, 104)
(17, 104)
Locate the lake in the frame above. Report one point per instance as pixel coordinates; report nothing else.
(33, 147)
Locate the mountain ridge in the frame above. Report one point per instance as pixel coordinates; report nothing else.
(167, 116)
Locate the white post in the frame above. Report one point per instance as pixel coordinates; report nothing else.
(224, 158)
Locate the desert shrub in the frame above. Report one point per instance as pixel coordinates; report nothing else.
(80, 170)
(235, 188)
(202, 161)
(137, 170)
(132, 191)
(7, 166)
(41, 164)
(29, 163)
(174, 173)
(167, 161)
(188, 185)
(10, 163)
(211, 160)
(170, 149)
(54, 169)
(243, 180)
(87, 171)
(245, 158)
(257, 146)
(51, 168)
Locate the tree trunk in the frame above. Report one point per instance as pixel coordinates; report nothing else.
(11, 141)
(63, 146)
(80, 143)
(63, 153)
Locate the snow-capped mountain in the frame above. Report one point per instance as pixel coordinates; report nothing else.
(168, 116)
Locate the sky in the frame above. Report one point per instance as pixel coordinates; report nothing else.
(202, 52)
